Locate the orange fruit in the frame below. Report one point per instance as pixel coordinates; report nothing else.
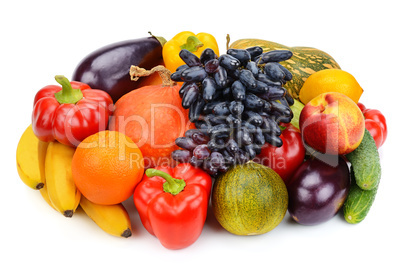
(330, 80)
(106, 167)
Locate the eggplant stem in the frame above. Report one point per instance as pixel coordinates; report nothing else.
(161, 39)
(137, 72)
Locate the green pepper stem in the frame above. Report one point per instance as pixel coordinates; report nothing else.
(67, 94)
(192, 44)
(172, 185)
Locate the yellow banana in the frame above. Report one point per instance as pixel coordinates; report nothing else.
(45, 196)
(61, 188)
(113, 219)
(31, 153)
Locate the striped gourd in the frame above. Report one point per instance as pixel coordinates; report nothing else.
(304, 62)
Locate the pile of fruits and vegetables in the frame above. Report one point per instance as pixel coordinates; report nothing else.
(256, 131)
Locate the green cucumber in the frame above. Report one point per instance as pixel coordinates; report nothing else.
(358, 203)
(365, 162)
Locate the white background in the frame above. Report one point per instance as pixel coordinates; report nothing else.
(40, 39)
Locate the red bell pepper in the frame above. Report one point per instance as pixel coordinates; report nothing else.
(375, 123)
(286, 159)
(71, 112)
(173, 202)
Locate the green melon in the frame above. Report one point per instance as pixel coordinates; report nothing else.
(304, 62)
(249, 199)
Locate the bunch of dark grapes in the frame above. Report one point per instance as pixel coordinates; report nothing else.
(236, 101)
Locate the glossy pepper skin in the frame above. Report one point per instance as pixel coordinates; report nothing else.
(71, 112)
(195, 43)
(174, 208)
(375, 123)
(286, 159)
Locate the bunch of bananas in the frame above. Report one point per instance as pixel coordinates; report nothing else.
(47, 167)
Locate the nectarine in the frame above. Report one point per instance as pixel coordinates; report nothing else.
(332, 123)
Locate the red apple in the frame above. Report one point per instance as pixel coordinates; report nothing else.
(332, 123)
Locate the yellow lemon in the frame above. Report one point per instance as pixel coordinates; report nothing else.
(330, 80)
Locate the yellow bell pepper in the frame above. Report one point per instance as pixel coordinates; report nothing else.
(195, 43)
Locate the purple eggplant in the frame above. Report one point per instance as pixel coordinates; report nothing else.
(318, 190)
(107, 68)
